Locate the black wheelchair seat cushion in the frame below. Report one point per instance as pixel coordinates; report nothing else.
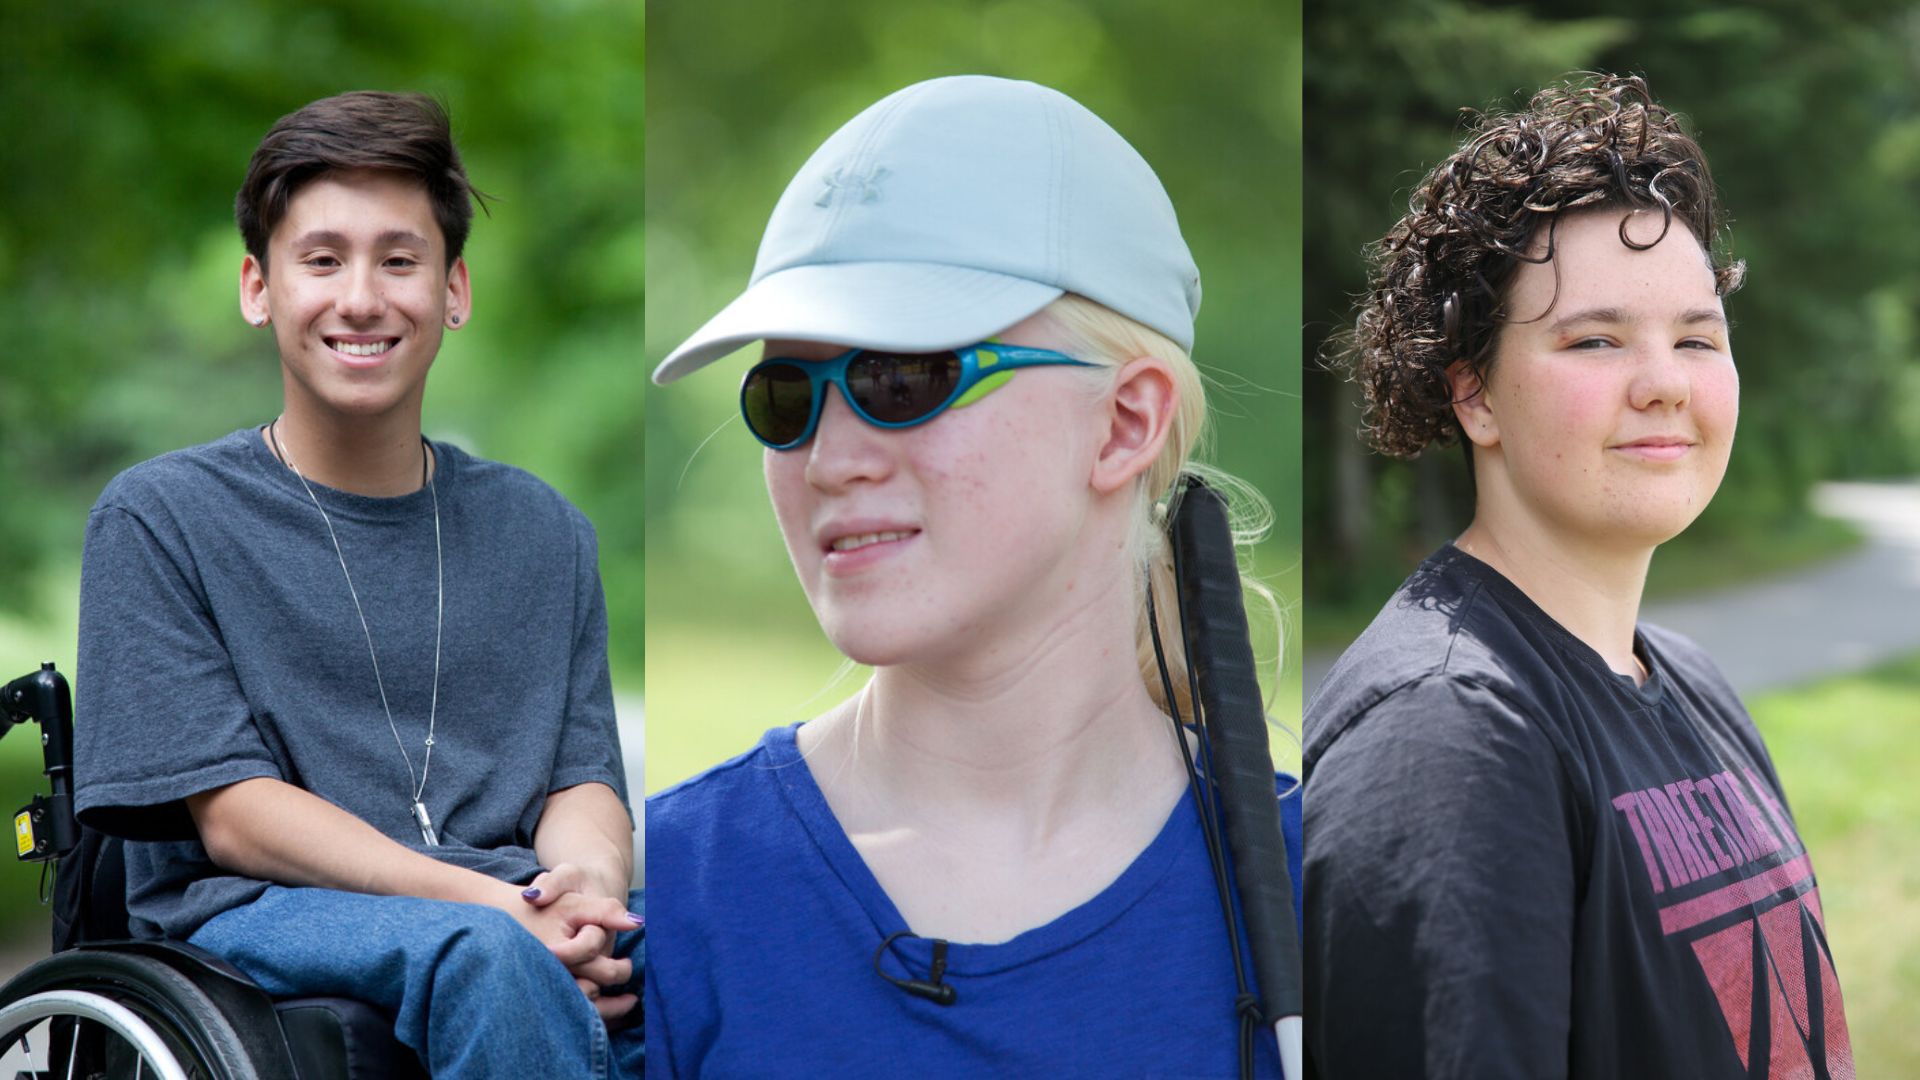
(341, 1037)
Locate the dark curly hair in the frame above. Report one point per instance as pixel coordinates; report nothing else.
(1439, 277)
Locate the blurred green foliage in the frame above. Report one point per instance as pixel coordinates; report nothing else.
(741, 93)
(129, 127)
(1808, 115)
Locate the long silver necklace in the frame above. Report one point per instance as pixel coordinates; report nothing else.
(420, 815)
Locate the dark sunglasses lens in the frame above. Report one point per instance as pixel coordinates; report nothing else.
(896, 388)
(778, 402)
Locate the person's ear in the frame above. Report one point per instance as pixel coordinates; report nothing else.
(253, 292)
(1139, 416)
(459, 295)
(1471, 405)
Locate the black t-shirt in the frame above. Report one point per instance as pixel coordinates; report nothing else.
(1524, 865)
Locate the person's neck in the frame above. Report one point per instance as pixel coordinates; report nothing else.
(1590, 588)
(379, 456)
(1021, 740)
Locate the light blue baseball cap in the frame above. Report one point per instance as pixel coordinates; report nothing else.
(950, 210)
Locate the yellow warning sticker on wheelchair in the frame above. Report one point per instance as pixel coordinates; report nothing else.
(23, 832)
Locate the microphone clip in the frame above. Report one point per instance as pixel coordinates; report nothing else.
(934, 989)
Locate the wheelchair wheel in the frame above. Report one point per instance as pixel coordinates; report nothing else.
(114, 1016)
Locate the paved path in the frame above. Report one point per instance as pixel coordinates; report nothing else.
(1839, 616)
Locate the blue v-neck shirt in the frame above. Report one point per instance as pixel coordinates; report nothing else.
(764, 922)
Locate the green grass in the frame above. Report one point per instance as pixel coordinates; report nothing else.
(704, 704)
(1847, 756)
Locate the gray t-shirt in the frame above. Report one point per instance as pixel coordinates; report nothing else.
(219, 642)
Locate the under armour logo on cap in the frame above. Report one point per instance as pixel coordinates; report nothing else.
(864, 186)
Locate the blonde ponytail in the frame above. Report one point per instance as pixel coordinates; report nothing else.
(1096, 333)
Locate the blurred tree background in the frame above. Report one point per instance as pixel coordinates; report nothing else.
(740, 93)
(1808, 116)
(128, 129)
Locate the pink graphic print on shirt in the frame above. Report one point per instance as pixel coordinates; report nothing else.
(1732, 879)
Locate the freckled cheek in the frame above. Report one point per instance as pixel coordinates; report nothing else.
(964, 491)
(1562, 423)
(1584, 411)
(972, 457)
(985, 490)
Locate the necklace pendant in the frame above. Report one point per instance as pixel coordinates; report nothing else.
(426, 824)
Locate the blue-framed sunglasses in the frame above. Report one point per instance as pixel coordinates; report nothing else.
(782, 398)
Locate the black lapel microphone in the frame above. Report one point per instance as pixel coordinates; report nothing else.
(933, 989)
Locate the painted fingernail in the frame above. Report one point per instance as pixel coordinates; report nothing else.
(531, 893)
(637, 920)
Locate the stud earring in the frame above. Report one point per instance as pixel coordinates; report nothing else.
(456, 320)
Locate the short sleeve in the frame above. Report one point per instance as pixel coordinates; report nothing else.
(590, 743)
(1441, 892)
(160, 714)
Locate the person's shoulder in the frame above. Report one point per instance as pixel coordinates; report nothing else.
(159, 482)
(510, 491)
(171, 495)
(697, 793)
(1445, 630)
(1471, 710)
(724, 806)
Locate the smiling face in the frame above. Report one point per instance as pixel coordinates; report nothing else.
(358, 290)
(1608, 420)
(917, 540)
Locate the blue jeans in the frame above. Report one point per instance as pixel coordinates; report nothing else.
(471, 991)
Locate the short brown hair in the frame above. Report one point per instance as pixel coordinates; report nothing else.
(365, 129)
(1439, 278)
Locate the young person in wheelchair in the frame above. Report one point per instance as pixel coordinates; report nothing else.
(976, 401)
(272, 625)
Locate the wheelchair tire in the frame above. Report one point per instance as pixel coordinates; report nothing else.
(116, 1007)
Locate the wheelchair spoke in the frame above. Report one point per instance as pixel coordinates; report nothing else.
(106, 1039)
